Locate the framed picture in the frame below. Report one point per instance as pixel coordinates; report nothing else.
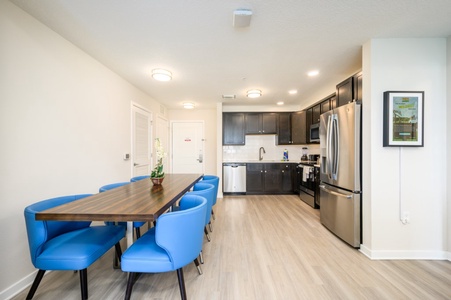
(403, 119)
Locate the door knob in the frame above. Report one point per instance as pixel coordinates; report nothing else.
(135, 164)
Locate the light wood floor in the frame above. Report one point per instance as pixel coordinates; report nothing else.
(267, 247)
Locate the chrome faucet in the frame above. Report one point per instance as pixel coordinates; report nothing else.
(260, 155)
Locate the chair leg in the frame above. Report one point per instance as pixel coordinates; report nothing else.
(84, 284)
(201, 257)
(35, 284)
(206, 233)
(117, 256)
(131, 281)
(211, 226)
(213, 214)
(138, 232)
(199, 269)
(181, 283)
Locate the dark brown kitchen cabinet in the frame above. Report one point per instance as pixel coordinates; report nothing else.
(269, 178)
(345, 92)
(299, 127)
(261, 123)
(233, 129)
(350, 90)
(255, 178)
(316, 113)
(297, 177)
(287, 178)
(358, 86)
(284, 129)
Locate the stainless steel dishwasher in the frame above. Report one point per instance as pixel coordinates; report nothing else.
(234, 175)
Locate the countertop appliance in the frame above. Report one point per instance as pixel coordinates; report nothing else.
(234, 178)
(340, 188)
(308, 184)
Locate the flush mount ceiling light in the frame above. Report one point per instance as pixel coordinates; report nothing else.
(292, 92)
(188, 105)
(161, 75)
(254, 93)
(280, 103)
(313, 73)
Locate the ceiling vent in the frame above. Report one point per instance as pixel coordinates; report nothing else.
(242, 17)
(228, 96)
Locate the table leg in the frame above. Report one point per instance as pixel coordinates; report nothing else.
(129, 234)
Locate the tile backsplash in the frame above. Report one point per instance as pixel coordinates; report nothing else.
(250, 151)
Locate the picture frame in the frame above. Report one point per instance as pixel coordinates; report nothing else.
(403, 119)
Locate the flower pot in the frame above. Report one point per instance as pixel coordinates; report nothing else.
(157, 181)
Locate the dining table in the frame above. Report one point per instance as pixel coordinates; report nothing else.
(137, 201)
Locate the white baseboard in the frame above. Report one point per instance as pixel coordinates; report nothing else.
(404, 254)
(19, 286)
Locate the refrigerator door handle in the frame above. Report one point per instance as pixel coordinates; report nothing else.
(323, 187)
(335, 143)
(329, 146)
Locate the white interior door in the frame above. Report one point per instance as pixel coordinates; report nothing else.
(162, 132)
(141, 141)
(188, 147)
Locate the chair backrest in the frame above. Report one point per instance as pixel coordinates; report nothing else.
(137, 178)
(180, 233)
(214, 180)
(39, 232)
(112, 186)
(207, 191)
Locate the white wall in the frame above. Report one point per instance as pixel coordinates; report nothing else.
(209, 118)
(417, 175)
(65, 123)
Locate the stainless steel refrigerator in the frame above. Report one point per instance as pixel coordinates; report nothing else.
(340, 187)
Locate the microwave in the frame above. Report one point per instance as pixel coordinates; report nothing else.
(314, 133)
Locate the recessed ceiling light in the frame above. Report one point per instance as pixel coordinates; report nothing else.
(188, 105)
(254, 93)
(313, 73)
(280, 103)
(161, 75)
(292, 92)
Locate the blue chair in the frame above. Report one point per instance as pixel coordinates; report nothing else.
(214, 180)
(207, 191)
(67, 245)
(136, 225)
(172, 244)
(137, 178)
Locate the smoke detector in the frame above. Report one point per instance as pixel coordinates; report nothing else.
(242, 17)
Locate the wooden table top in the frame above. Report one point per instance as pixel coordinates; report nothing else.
(137, 201)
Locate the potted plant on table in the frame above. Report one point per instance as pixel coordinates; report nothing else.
(157, 174)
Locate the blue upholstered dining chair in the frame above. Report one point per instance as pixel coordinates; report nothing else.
(174, 242)
(136, 225)
(67, 245)
(208, 191)
(205, 190)
(137, 178)
(214, 180)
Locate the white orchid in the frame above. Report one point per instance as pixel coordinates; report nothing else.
(157, 172)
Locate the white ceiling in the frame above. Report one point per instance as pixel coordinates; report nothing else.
(209, 57)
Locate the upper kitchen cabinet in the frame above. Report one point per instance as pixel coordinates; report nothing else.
(284, 129)
(233, 129)
(349, 90)
(299, 127)
(292, 128)
(316, 113)
(345, 92)
(358, 86)
(261, 123)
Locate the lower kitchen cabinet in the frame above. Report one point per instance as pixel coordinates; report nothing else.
(269, 178)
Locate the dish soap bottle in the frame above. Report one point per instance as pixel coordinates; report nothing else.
(285, 155)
